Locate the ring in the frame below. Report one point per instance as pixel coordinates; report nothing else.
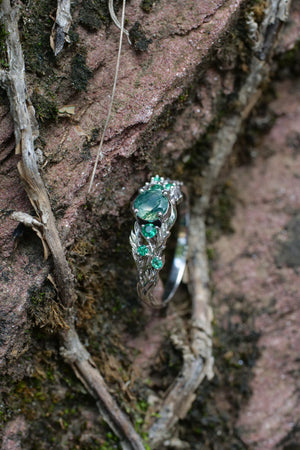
(155, 210)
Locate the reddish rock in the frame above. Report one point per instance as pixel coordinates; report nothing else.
(14, 432)
(254, 263)
(149, 83)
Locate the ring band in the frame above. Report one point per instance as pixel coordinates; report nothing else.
(155, 210)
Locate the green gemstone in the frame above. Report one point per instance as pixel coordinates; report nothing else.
(157, 186)
(143, 250)
(157, 263)
(168, 186)
(149, 230)
(149, 203)
(156, 178)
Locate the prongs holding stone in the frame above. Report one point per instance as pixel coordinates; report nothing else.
(135, 210)
(141, 190)
(160, 215)
(166, 193)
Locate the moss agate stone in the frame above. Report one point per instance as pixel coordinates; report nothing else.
(149, 203)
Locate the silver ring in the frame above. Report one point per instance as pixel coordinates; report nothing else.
(155, 210)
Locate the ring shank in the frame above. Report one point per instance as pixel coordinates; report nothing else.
(180, 255)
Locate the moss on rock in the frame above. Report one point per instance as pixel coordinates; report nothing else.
(45, 109)
(80, 73)
(94, 14)
(138, 38)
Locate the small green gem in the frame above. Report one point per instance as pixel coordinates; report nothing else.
(156, 178)
(157, 186)
(157, 263)
(149, 230)
(143, 250)
(168, 186)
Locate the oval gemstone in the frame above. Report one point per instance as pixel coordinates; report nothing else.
(150, 203)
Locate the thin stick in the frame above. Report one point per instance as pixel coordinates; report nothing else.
(99, 153)
(86, 370)
(28, 168)
(195, 345)
(115, 19)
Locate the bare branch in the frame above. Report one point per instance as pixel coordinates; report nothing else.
(61, 27)
(196, 348)
(28, 167)
(3, 78)
(26, 219)
(86, 370)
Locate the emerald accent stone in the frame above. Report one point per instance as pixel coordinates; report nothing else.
(156, 178)
(157, 263)
(168, 186)
(149, 230)
(157, 186)
(143, 250)
(149, 203)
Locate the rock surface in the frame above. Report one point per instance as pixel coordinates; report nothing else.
(149, 84)
(260, 264)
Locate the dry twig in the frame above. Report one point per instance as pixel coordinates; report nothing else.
(72, 349)
(99, 152)
(61, 26)
(115, 19)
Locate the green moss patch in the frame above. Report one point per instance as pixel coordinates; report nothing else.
(36, 26)
(94, 14)
(138, 38)
(80, 73)
(220, 213)
(147, 5)
(45, 109)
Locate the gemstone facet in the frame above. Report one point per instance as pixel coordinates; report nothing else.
(157, 263)
(149, 203)
(143, 250)
(149, 230)
(157, 186)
